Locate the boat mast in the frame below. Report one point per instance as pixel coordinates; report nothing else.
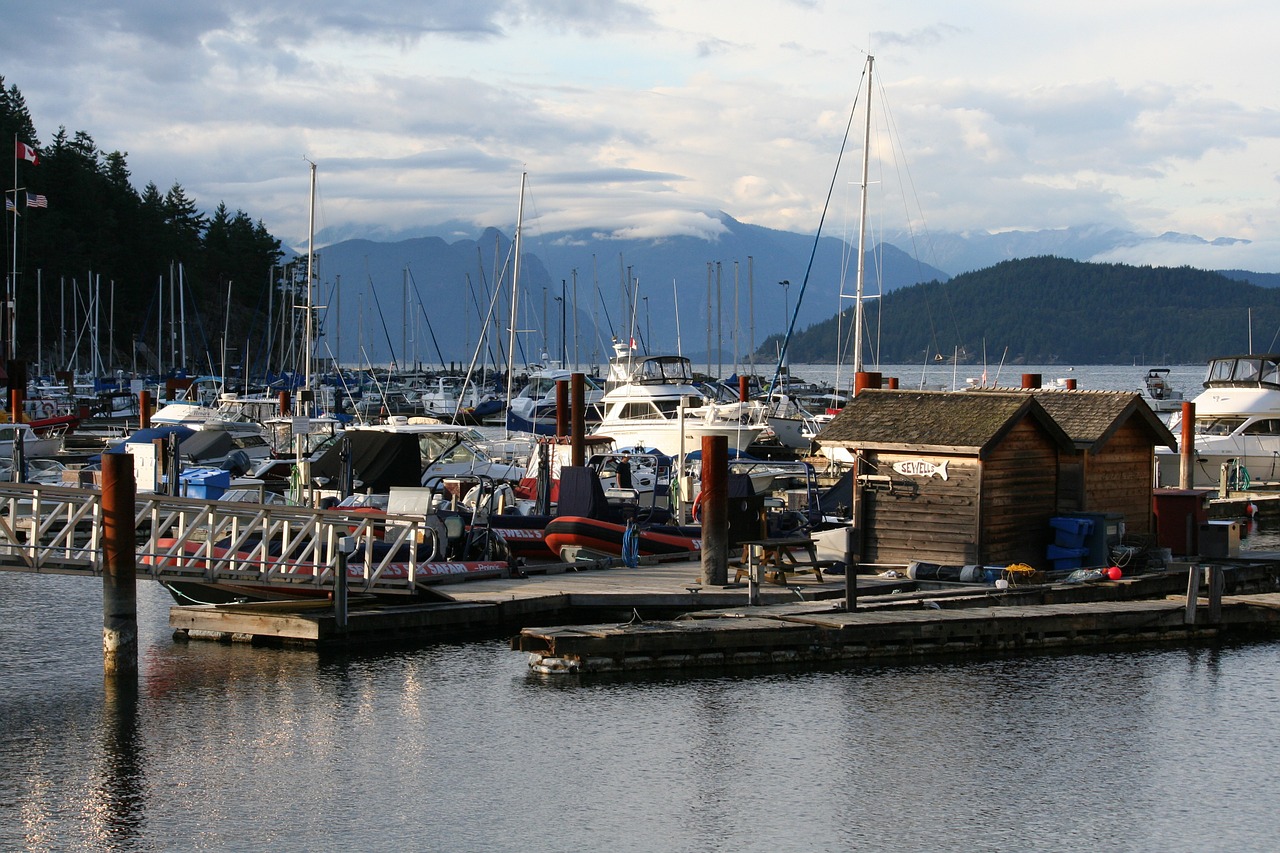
(862, 233)
(311, 235)
(515, 284)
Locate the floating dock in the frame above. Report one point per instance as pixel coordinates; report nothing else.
(659, 617)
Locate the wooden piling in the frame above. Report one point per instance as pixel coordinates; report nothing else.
(577, 419)
(284, 404)
(864, 379)
(119, 566)
(715, 510)
(15, 405)
(743, 391)
(144, 409)
(1187, 445)
(562, 407)
(1031, 380)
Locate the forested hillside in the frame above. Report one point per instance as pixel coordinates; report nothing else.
(1046, 310)
(78, 215)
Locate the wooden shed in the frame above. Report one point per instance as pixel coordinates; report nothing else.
(953, 478)
(1111, 470)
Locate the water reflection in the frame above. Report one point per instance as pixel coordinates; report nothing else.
(118, 801)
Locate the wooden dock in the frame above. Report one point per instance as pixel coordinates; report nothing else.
(658, 616)
(790, 634)
(556, 593)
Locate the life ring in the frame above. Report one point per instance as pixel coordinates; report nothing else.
(697, 507)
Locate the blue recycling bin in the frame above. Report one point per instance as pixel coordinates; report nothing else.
(205, 483)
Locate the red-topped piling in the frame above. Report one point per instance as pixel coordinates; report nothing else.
(1031, 380)
(577, 420)
(285, 406)
(715, 510)
(1187, 447)
(865, 379)
(144, 409)
(119, 566)
(743, 392)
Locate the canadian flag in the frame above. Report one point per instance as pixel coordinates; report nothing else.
(25, 152)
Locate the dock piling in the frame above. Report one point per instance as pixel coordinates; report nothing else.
(715, 510)
(119, 566)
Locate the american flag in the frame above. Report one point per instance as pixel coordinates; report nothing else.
(34, 200)
(9, 205)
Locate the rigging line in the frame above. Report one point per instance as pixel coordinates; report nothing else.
(900, 162)
(391, 350)
(423, 309)
(791, 324)
(475, 357)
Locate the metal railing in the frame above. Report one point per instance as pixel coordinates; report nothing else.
(56, 529)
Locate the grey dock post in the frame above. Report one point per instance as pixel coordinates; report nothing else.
(119, 566)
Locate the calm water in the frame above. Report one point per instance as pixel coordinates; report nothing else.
(456, 747)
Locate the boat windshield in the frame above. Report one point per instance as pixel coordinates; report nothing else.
(1251, 370)
(448, 447)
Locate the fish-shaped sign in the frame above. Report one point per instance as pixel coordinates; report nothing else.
(921, 468)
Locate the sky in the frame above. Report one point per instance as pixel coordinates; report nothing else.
(644, 118)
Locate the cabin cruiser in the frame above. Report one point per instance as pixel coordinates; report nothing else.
(651, 401)
(1237, 424)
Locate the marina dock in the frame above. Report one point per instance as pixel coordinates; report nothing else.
(658, 617)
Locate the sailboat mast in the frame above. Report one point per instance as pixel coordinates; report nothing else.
(862, 234)
(311, 254)
(515, 284)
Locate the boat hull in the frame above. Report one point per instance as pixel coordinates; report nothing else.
(605, 537)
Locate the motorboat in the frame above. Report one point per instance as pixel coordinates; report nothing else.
(243, 435)
(533, 408)
(1159, 394)
(42, 438)
(410, 452)
(1237, 425)
(651, 401)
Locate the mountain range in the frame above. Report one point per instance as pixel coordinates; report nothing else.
(425, 299)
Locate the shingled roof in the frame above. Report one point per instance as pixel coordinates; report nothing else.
(1091, 417)
(934, 421)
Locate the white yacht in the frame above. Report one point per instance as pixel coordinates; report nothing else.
(1237, 423)
(650, 399)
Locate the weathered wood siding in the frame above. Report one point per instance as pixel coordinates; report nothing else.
(1118, 478)
(923, 518)
(1019, 496)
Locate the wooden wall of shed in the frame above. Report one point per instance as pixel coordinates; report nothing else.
(1119, 478)
(1019, 496)
(922, 518)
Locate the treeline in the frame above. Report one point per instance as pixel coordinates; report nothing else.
(1051, 310)
(79, 215)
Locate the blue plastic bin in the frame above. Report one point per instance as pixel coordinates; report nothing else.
(206, 483)
(1070, 532)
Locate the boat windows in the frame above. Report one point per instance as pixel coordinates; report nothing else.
(1265, 426)
(1270, 372)
(1220, 370)
(1218, 426)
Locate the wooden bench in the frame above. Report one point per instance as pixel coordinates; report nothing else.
(778, 557)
